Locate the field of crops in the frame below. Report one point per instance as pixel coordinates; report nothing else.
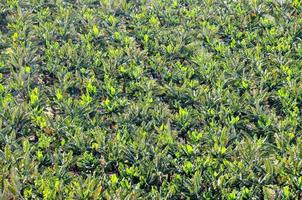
(150, 99)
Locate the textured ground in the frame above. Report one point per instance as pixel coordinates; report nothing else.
(150, 99)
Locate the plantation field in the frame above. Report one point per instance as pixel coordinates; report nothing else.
(150, 99)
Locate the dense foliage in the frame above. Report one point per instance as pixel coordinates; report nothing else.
(150, 99)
